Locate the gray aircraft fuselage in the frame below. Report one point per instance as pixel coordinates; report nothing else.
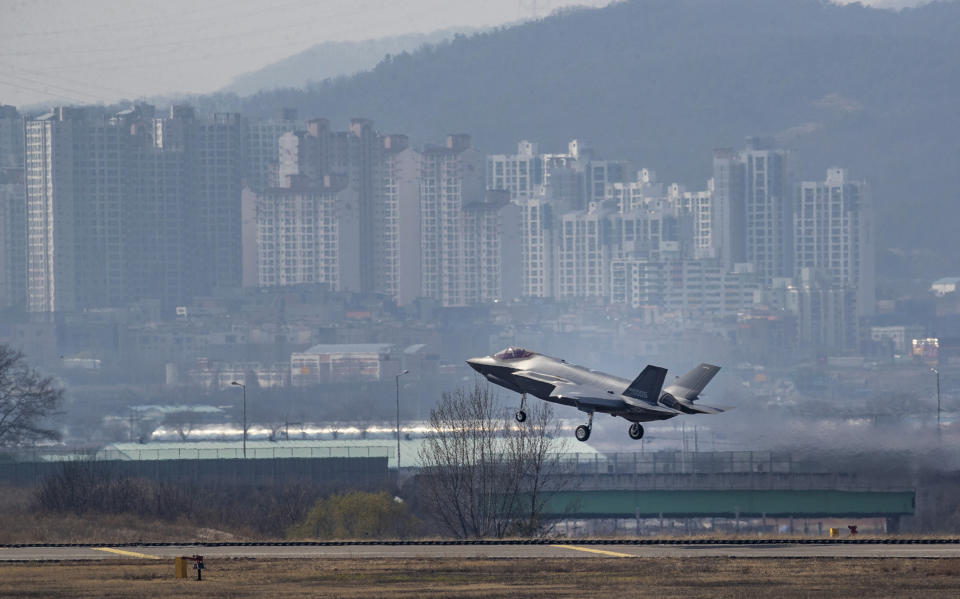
(555, 380)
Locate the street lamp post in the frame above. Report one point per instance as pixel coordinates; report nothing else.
(244, 387)
(398, 416)
(937, 372)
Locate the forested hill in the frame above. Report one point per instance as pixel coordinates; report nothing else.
(663, 82)
(332, 59)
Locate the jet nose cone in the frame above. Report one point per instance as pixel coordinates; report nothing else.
(479, 363)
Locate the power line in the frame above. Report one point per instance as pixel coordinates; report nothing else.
(42, 91)
(120, 24)
(135, 62)
(182, 42)
(14, 74)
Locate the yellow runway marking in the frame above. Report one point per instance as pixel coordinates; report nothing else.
(591, 550)
(127, 553)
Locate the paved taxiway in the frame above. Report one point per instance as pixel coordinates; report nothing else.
(568, 550)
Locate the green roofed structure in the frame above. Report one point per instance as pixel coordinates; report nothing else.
(730, 503)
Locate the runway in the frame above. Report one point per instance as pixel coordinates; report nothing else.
(558, 549)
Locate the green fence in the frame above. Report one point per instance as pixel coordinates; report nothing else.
(811, 503)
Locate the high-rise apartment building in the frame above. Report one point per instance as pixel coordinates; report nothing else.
(727, 207)
(130, 206)
(682, 288)
(521, 174)
(307, 233)
(699, 206)
(833, 232)
(630, 195)
(584, 254)
(460, 226)
(13, 240)
(397, 267)
(368, 161)
(767, 207)
(218, 157)
(11, 138)
(75, 239)
(262, 139)
(752, 206)
(826, 315)
(539, 220)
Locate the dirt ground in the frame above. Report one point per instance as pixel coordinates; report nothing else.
(492, 578)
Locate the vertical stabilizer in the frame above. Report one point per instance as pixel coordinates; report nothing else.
(647, 386)
(692, 383)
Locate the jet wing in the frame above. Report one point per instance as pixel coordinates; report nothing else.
(541, 377)
(591, 397)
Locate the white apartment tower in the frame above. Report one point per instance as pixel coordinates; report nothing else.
(398, 268)
(459, 226)
(520, 174)
(833, 232)
(307, 233)
(74, 235)
(584, 254)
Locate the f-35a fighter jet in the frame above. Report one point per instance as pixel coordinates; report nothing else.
(555, 380)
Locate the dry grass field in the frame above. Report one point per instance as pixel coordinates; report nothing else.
(492, 578)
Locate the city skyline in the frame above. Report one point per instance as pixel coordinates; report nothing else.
(111, 201)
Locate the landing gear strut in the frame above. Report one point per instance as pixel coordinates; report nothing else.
(583, 431)
(636, 431)
(521, 415)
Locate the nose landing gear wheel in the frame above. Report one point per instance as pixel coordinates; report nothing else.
(582, 433)
(636, 431)
(520, 416)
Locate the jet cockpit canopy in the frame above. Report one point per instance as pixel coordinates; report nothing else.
(513, 353)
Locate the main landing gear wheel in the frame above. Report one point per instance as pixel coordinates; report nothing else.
(521, 414)
(583, 431)
(636, 431)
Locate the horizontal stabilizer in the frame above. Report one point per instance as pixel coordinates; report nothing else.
(692, 383)
(647, 386)
(650, 407)
(700, 408)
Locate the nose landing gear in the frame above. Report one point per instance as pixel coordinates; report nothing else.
(636, 431)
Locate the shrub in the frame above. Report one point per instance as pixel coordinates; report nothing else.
(357, 514)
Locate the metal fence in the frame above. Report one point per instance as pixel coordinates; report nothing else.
(228, 453)
(677, 462)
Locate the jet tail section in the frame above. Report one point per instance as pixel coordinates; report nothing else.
(692, 383)
(647, 386)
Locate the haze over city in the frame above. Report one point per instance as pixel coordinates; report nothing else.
(612, 247)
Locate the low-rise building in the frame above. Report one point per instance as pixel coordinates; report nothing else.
(334, 363)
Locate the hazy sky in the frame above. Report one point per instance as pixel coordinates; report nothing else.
(92, 51)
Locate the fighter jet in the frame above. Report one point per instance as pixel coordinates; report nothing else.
(557, 381)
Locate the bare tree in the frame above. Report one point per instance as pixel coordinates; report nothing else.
(27, 399)
(483, 475)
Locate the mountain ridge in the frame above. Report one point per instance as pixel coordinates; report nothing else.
(662, 83)
(334, 59)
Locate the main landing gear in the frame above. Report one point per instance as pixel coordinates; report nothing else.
(636, 431)
(521, 415)
(583, 431)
